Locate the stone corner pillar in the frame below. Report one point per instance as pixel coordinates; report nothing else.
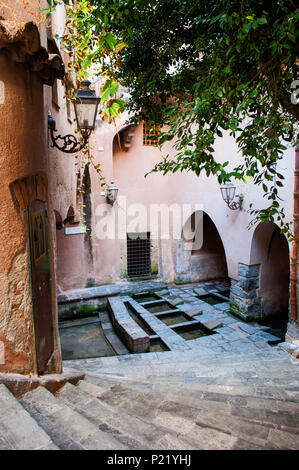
(244, 301)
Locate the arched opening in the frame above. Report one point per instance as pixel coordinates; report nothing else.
(123, 138)
(70, 217)
(270, 250)
(210, 257)
(201, 250)
(58, 220)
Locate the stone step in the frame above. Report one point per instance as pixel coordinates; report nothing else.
(254, 419)
(279, 413)
(67, 428)
(280, 393)
(269, 370)
(234, 376)
(256, 433)
(184, 419)
(225, 377)
(18, 430)
(193, 398)
(156, 433)
(182, 357)
(132, 431)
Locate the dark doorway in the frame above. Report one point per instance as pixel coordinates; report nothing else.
(138, 254)
(209, 261)
(40, 278)
(270, 249)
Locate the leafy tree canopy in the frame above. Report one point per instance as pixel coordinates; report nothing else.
(201, 69)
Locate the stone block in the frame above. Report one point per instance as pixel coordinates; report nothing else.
(248, 283)
(176, 301)
(194, 311)
(240, 292)
(249, 271)
(213, 324)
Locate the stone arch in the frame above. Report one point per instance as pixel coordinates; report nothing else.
(123, 138)
(70, 216)
(270, 250)
(200, 254)
(58, 220)
(25, 190)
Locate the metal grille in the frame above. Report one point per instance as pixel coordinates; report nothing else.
(138, 254)
(150, 133)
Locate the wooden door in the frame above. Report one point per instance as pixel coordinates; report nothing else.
(41, 282)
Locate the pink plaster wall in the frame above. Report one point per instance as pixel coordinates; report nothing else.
(127, 170)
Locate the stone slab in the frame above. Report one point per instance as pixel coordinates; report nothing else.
(212, 324)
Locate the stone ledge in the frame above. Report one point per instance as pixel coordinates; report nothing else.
(20, 384)
(107, 290)
(88, 293)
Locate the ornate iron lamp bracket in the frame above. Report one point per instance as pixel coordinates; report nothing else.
(236, 205)
(69, 142)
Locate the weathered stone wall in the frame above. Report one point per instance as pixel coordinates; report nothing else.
(28, 171)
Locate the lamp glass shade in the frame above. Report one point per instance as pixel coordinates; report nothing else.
(86, 106)
(228, 192)
(112, 191)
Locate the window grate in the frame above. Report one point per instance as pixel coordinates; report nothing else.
(150, 133)
(138, 254)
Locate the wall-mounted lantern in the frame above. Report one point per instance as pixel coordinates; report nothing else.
(111, 193)
(228, 192)
(86, 107)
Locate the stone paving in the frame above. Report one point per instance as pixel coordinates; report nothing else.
(228, 390)
(230, 333)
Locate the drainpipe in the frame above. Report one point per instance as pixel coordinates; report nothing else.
(294, 256)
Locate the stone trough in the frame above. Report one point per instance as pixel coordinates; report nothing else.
(133, 336)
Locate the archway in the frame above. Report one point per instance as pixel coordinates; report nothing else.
(270, 250)
(200, 251)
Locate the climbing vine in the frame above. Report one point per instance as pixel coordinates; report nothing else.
(201, 70)
(93, 52)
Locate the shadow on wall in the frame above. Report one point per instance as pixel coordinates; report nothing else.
(270, 249)
(203, 257)
(71, 256)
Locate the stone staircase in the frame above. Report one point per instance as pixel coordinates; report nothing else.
(172, 400)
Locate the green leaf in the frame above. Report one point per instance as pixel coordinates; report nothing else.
(108, 90)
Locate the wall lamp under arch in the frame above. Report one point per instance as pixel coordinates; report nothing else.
(86, 107)
(111, 193)
(228, 192)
